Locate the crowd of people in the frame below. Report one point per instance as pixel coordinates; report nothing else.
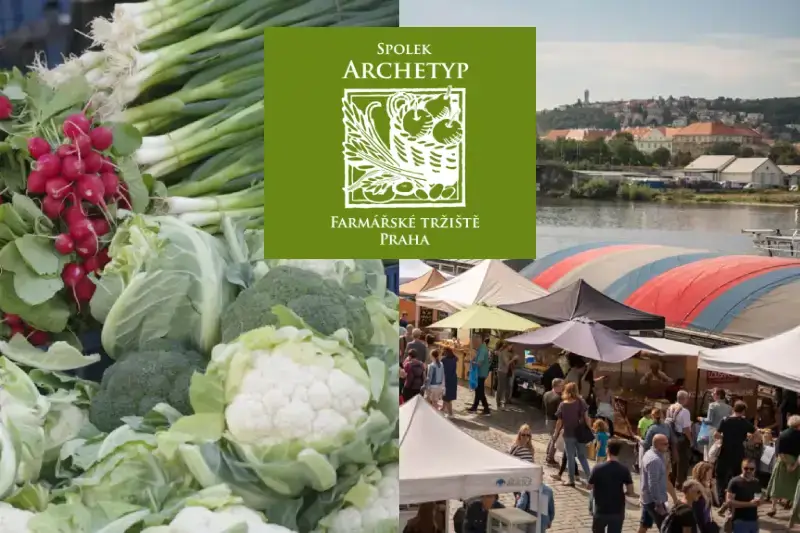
(746, 463)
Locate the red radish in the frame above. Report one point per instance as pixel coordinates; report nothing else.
(87, 247)
(75, 125)
(80, 229)
(84, 289)
(52, 207)
(17, 329)
(13, 320)
(38, 147)
(74, 213)
(83, 144)
(91, 189)
(5, 107)
(64, 150)
(64, 244)
(102, 257)
(100, 226)
(72, 274)
(38, 338)
(36, 182)
(108, 165)
(57, 188)
(72, 167)
(110, 183)
(102, 138)
(92, 264)
(49, 165)
(92, 162)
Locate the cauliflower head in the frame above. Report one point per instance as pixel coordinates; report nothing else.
(375, 507)
(13, 520)
(233, 519)
(289, 385)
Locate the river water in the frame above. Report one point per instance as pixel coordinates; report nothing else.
(716, 227)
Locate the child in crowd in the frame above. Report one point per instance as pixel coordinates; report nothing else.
(601, 436)
(645, 422)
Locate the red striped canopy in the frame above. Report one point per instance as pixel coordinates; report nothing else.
(741, 295)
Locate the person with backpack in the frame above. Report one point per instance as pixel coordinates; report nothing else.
(482, 364)
(415, 375)
(680, 420)
(682, 518)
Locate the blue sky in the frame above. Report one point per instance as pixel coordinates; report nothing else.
(622, 49)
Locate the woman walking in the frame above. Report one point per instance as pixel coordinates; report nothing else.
(786, 474)
(573, 419)
(449, 364)
(434, 381)
(522, 447)
(415, 375)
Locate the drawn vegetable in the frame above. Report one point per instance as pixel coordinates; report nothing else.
(439, 106)
(417, 123)
(448, 132)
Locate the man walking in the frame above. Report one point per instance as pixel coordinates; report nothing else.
(734, 430)
(418, 345)
(551, 400)
(482, 361)
(505, 372)
(744, 497)
(681, 423)
(654, 485)
(610, 482)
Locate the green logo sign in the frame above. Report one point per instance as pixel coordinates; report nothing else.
(400, 142)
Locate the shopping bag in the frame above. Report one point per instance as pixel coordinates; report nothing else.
(705, 433)
(473, 377)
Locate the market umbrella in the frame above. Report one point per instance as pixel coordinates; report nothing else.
(587, 338)
(480, 316)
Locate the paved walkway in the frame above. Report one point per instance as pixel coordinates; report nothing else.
(572, 504)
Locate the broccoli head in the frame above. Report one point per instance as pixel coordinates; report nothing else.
(138, 381)
(322, 303)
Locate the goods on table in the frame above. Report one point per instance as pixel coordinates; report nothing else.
(132, 193)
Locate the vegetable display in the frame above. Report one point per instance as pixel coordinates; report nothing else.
(188, 74)
(238, 394)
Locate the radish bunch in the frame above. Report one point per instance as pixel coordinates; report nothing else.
(77, 183)
(16, 325)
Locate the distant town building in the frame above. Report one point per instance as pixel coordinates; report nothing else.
(791, 174)
(586, 96)
(761, 172)
(698, 137)
(656, 138)
(577, 135)
(708, 167)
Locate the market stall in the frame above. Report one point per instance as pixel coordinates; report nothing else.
(439, 462)
(773, 360)
(483, 318)
(491, 282)
(581, 300)
(409, 290)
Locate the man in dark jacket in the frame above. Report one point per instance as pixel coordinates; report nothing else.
(478, 513)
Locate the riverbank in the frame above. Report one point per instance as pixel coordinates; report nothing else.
(593, 190)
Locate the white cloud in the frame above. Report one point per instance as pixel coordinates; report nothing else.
(718, 65)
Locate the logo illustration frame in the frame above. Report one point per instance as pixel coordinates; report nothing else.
(404, 148)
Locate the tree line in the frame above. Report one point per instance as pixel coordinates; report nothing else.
(621, 150)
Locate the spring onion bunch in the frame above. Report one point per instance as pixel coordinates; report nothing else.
(188, 74)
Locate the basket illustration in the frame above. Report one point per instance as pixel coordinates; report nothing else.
(422, 162)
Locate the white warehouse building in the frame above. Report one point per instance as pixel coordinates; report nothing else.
(760, 171)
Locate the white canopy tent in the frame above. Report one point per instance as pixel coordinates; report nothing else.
(772, 361)
(671, 347)
(490, 282)
(411, 269)
(438, 461)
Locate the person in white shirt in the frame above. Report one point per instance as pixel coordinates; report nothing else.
(680, 420)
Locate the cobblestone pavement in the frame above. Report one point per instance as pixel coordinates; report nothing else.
(572, 504)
